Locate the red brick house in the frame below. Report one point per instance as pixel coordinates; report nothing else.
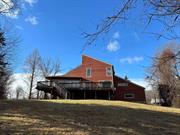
(93, 79)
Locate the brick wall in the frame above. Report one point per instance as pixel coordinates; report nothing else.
(98, 70)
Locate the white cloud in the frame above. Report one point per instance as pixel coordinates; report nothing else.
(19, 81)
(131, 60)
(32, 19)
(31, 2)
(116, 35)
(113, 46)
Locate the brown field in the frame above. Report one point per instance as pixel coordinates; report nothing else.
(91, 117)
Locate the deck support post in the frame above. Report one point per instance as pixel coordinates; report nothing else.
(109, 95)
(84, 94)
(69, 96)
(94, 94)
(66, 95)
(45, 95)
(37, 94)
(51, 94)
(72, 95)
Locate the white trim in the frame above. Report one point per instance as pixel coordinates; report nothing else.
(88, 76)
(107, 71)
(120, 84)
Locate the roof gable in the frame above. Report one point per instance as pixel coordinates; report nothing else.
(128, 81)
(86, 58)
(72, 72)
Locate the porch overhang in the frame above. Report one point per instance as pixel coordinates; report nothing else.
(64, 78)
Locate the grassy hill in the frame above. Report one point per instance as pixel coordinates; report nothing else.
(87, 117)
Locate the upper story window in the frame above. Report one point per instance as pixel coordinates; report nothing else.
(88, 72)
(109, 71)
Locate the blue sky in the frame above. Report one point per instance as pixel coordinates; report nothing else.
(55, 27)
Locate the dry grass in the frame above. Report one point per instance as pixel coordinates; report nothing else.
(87, 117)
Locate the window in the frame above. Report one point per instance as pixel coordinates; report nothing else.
(88, 72)
(129, 96)
(108, 71)
(122, 84)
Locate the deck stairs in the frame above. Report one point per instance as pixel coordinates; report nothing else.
(54, 88)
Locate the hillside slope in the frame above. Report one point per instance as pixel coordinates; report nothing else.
(87, 117)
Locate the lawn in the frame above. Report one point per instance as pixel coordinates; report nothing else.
(91, 117)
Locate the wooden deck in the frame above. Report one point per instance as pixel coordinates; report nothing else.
(81, 90)
(80, 85)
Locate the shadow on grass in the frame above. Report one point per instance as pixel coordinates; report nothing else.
(36, 117)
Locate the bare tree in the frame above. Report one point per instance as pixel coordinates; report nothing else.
(57, 67)
(164, 73)
(152, 96)
(49, 67)
(4, 82)
(8, 43)
(166, 12)
(8, 6)
(31, 68)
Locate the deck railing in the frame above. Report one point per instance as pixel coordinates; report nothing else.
(78, 85)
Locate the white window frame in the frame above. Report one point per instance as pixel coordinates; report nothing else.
(125, 95)
(88, 76)
(122, 84)
(107, 69)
